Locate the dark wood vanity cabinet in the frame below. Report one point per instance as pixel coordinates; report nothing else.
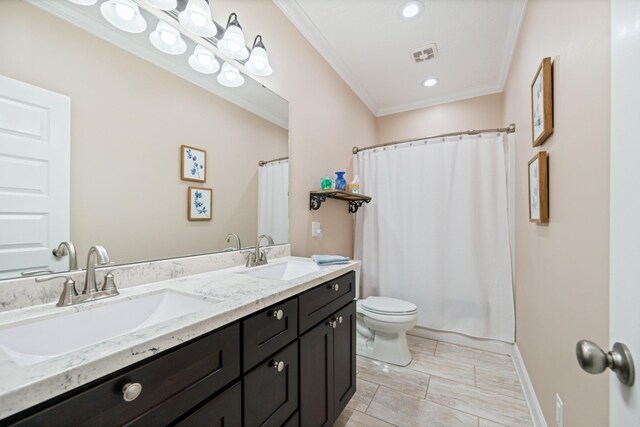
(328, 368)
(291, 364)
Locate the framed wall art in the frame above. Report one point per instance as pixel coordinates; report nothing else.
(193, 164)
(539, 188)
(199, 204)
(542, 103)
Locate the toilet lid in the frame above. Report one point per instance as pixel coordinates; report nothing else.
(386, 305)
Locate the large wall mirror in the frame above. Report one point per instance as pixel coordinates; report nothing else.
(131, 109)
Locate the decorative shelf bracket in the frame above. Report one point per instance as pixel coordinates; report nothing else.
(316, 198)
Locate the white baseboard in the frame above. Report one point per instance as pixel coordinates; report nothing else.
(527, 387)
(455, 338)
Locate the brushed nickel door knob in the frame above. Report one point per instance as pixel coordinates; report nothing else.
(595, 360)
(131, 391)
(279, 366)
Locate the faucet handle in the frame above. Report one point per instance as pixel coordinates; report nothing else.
(68, 291)
(109, 282)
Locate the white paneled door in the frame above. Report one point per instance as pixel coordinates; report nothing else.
(34, 177)
(625, 202)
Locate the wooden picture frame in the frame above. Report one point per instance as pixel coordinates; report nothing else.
(193, 164)
(542, 103)
(199, 203)
(538, 172)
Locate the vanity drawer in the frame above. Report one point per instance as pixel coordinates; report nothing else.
(212, 362)
(263, 333)
(320, 302)
(270, 395)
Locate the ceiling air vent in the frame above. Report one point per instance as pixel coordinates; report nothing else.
(425, 53)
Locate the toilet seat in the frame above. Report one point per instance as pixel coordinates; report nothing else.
(388, 306)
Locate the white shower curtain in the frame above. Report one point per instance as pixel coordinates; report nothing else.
(273, 200)
(436, 232)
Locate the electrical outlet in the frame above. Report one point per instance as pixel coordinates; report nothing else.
(559, 411)
(315, 229)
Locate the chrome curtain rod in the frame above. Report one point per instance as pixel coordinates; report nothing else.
(266, 162)
(509, 129)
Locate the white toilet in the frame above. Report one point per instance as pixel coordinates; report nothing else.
(382, 324)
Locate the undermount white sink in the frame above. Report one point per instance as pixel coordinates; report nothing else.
(39, 339)
(283, 271)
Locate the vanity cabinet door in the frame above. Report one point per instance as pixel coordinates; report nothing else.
(316, 376)
(318, 303)
(207, 364)
(268, 331)
(222, 411)
(344, 357)
(328, 368)
(270, 391)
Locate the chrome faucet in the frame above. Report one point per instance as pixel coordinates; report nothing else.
(70, 296)
(257, 257)
(97, 254)
(228, 239)
(67, 248)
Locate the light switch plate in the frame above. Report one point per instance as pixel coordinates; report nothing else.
(559, 411)
(315, 229)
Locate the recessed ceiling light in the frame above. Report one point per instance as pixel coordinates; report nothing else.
(431, 81)
(411, 9)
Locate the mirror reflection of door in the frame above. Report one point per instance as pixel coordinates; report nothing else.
(34, 177)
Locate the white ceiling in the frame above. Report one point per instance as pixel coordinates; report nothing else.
(369, 45)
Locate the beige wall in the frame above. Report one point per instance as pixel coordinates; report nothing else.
(128, 120)
(562, 268)
(475, 113)
(326, 120)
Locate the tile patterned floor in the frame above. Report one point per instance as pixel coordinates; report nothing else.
(445, 385)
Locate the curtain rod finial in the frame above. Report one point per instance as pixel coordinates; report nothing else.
(355, 150)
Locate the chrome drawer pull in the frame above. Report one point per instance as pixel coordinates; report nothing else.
(335, 287)
(279, 366)
(277, 314)
(131, 391)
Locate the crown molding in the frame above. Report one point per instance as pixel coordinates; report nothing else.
(456, 96)
(309, 31)
(513, 32)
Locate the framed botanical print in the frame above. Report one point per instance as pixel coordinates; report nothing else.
(193, 164)
(199, 204)
(539, 188)
(542, 103)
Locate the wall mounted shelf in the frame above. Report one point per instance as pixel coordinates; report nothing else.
(355, 200)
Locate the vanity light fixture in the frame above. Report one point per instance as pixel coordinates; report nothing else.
(163, 4)
(232, 43)
(84, 2)
(430, 82)
(167, 39)
(258, 62)
(196, 17)
(230, 76)
(203, 61)
(411, 9)
(124, 15)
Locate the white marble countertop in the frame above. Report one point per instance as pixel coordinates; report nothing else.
(239, 295)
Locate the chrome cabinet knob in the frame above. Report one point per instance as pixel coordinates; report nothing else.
(131, 391)
(594, 360)
(335, 287)
(279, 366)
(332, 323)
(339, 319)
(277, 314)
